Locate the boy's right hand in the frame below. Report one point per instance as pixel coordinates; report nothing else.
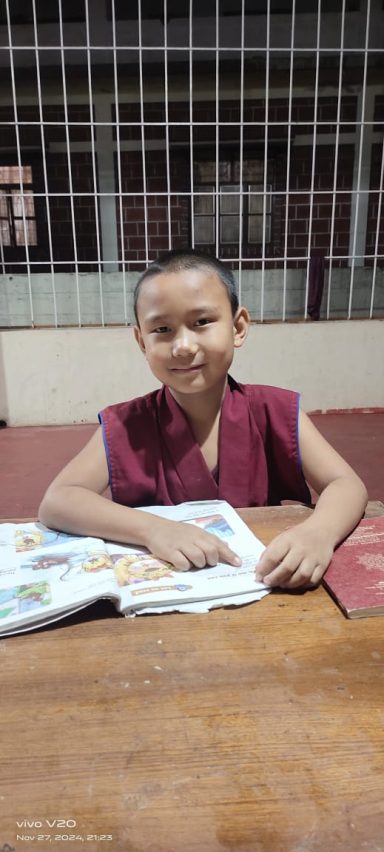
(186, 545)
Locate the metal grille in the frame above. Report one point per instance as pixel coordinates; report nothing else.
(252, 130)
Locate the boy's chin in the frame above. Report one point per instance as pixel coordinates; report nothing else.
(197, 385)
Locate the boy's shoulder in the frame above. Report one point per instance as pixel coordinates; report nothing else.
(269, 406)
(134, 408)
(262, 392)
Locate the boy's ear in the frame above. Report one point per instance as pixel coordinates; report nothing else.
(139, 338)
(241, 322)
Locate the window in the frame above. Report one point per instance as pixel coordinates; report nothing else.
(12, 231)
(234, 200)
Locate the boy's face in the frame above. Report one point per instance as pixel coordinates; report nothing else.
(187, 331)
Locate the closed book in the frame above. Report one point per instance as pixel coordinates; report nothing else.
(355, 577)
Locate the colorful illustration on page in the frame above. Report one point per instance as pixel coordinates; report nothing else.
(32, 539)
(20, 599)
(215, 524)
(133, 568)
(87, 563)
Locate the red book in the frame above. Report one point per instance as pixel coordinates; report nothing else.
(355, 577)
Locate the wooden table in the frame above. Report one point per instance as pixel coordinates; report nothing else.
(256, 729)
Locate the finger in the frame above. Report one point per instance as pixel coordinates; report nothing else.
(272, 557)
(219, 551)
(179, 561)
(196, 555)
(302, 577)
(283, 572)
(318, 575)
(212, 555)
(228, 555)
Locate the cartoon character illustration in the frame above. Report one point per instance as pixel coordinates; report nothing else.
(97, 562)
(33, 595)
(28, 539)
(48, 560)
(89, 563)
(132, 568)
(23, 598)
(93, 562)
(31, 539)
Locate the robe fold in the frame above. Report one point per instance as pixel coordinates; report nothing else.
(154, 459)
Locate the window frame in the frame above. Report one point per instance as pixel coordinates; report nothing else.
(246, 190)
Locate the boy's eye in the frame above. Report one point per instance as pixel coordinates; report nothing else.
(161, 329)
(203, 321)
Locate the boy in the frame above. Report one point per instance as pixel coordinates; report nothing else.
(204, 436)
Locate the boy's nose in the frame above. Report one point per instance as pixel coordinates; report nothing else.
(184, 344)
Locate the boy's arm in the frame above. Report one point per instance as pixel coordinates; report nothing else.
(74, 503)
(301, 555)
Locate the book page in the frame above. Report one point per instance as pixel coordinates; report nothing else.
(44, 572)
(145, 582)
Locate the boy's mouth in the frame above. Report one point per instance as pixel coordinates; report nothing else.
(191, 369)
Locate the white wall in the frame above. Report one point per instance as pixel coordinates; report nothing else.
(15, 299)
(67, 375)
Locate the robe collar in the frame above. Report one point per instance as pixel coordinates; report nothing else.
(235, 449)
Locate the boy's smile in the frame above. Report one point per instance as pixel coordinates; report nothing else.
(187, 331)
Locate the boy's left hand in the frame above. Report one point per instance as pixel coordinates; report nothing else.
(297, 557)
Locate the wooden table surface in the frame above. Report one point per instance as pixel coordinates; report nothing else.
(253, 729)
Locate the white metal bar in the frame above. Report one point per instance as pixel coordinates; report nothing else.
(315, 103)
(19, 162)
(43, 150)
(203, 49)
(301, 258)
(94, 171)
(186, 192)
(166, 97)
(336, 161)
(301, 140)
(118, 159)
(376, 251)
(69, 164)
(142, 129)
(360, 157)
(191, 146)
(265, 176)
(217, 148)
(288, 173)
(241, 157)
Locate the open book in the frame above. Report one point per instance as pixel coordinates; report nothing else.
(45, 575)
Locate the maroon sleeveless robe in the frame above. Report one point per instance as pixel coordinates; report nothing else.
(154, 459)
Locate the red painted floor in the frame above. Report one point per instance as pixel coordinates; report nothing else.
(31, 456)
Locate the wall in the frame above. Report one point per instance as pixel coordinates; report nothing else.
(67, 375)
(83, 295)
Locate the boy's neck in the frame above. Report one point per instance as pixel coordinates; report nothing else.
(201, 408)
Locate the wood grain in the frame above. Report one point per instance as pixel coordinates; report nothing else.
(250, 729)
